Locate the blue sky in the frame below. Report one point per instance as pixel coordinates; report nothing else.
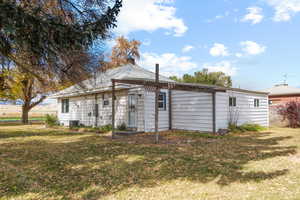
(255, 41)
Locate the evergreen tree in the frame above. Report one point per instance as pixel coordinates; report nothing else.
(50, 31)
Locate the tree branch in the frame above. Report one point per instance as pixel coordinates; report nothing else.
(37, 102)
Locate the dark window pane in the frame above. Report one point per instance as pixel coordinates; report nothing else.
(65, 106)
(106, 102)
(232, 101)
(162, 101)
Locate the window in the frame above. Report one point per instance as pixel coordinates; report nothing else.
(105, 100)
(162, 101)
(256, 102)
(232, 101)
(65, 106)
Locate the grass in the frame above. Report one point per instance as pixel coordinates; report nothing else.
(19, 118)
(38, 163)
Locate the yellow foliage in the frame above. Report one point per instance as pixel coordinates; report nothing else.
(122, 52)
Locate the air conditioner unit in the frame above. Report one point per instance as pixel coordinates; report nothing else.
(73, 123)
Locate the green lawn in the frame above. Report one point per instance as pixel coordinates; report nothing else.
(19, 119)
(38, 163)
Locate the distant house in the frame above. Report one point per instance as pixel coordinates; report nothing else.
(182, 106)
(283, 93)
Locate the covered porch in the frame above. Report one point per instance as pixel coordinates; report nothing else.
(157, 85)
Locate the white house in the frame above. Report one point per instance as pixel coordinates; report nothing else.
(183, 106)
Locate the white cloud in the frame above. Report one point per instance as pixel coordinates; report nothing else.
(224, 66)
(218, 17)
(187, 48)
(252, 48)
(219, 50)
(254, 15)
(149, 15)
(284, 9)
(170, 63)
(239, 55)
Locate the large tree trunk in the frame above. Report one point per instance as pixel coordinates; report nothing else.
(27, 106)
(25, 114)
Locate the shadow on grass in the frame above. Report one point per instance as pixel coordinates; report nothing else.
(95, 167)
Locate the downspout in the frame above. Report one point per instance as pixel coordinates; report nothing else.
(96, 110)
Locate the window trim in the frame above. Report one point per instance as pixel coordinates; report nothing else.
(232, 101)
(65, 106)
(163, 101)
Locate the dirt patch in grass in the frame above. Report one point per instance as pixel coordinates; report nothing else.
(178, 138)
(39, 163)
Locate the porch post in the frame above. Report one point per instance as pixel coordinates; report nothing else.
(214, 111)
(113, 109)
(156, 101)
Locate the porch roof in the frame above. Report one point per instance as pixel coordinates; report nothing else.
(171, 85)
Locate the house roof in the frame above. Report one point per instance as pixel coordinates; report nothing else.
(102, 80)
(133, 74)
(283, 90)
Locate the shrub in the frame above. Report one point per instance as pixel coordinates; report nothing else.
(290, 112)
(106, 128)
(51, 120)
(246, 127)
(122, 127)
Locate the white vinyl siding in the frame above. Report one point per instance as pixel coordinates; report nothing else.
(62, 117)
(222, 110)
(244, 112)
(81, 108)
(163, 116)
(192, 111)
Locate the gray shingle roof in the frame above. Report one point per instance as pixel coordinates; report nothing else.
(283, 89)
(103, 80)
